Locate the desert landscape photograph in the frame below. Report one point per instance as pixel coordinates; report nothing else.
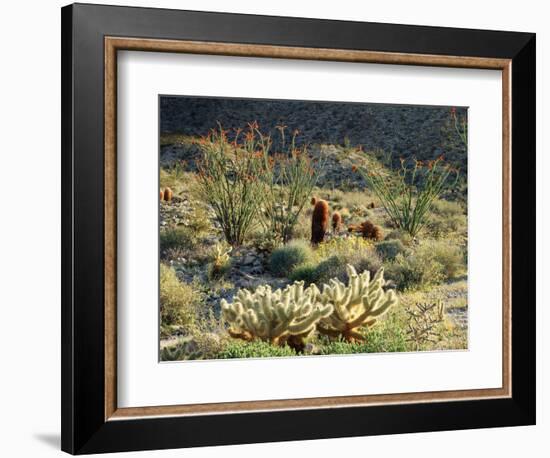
(293, 228)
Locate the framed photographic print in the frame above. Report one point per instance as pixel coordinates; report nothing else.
(281, 228)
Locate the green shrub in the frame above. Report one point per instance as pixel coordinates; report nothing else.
(256, 349)
(284, 259)
(389, 249)
(221, 261)
(449, 255)
(179, 301)
(401, 235)
(429, 263)
(446, 208)
(335, 266)
(411, 271)
(199, 222)
(200, 344)
(305, 272)
(387, 336)
(446, 217)
(442, 226)
(177, 238)
(345, 246)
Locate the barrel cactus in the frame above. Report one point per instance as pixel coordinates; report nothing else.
(319, 221)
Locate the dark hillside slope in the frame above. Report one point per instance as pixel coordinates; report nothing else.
(424, 132)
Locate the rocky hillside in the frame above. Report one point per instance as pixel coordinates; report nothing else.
(424, 132)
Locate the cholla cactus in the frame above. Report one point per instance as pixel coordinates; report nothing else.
(357, 304)
(281, 316)
(221, 259)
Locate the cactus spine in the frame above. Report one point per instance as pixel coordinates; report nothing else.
(282, 316)
(319, 221)
(358, 304)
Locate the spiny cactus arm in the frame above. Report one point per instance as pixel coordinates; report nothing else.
(329, 331)
(391, 300)
(357, 304)
(308, 321)
(361, 320)
(266, 308)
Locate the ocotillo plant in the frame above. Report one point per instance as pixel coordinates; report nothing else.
(229, 180)
(461, 127)
(289, 178)
(408, 205)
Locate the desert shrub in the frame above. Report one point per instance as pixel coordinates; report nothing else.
(449, 255)
(389, 249)
(400, 235)
(446, 208)
(199, 222)
(342, 246)
(388, 336)
(429, 263)
(284, 259)
(204, 345)
(424, 323)
(412, 271)
(332, 257)
(335, 266)
(256, 349)
(180, 237)
(179, 301)
(406, 201)
(175, 352)
(229, 180)
(220, 261)
(302, 228)
(290, 178)
(441, 227)
(304, 272)
(265, 242)
(446, 217)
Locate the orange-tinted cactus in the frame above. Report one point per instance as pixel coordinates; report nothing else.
(336, 221)
(313, 200)
(367, 230)
(168, 194)
(161, 194)
(319, 222)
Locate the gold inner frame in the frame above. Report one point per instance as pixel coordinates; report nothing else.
(114, 44)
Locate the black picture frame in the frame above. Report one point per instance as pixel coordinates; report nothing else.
(84, 428)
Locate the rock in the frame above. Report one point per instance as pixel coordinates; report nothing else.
(249, 259)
